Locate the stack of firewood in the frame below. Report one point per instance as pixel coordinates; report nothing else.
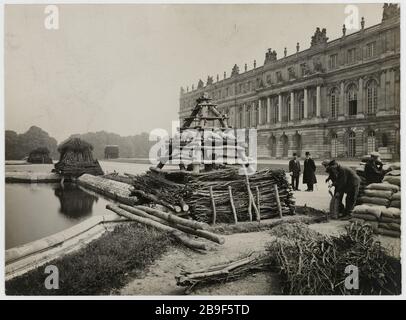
(223, 195)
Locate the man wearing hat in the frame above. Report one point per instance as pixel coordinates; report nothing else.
(373, 169)
(309, 176)
(294, 170)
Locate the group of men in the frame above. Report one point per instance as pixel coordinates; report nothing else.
(309, 172)
(344, 179)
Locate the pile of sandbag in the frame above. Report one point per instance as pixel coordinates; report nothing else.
(379, 205)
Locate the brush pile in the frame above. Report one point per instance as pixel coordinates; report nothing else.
(380, 205)
(318, 266)
(219, 195)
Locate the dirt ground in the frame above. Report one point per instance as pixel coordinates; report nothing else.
(160, 278)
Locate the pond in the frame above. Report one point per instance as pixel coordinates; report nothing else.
(34, 211)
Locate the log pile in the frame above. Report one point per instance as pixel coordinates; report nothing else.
(380, 205)
(229, 271)
(183, 230)
(218, 196)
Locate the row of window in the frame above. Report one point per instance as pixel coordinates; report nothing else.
(351, 55)
(352, 91)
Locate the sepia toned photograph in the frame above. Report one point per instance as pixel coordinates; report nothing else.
(228, 149)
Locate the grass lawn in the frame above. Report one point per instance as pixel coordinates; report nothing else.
(102, 266)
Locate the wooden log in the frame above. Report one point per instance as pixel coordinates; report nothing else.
(230, 193)
(278, 201)
(213, 205)
(155, 199)
(184, 205)
(258, 205)
(173, 218)
(200, 233)
(177, 234)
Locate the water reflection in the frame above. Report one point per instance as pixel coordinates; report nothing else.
(75, 203)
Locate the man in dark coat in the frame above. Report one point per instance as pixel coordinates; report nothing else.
(373, 169)
(309, 176)
(347, 182)
(294, 170)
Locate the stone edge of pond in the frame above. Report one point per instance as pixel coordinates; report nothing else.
(21, 259)
(31, 177)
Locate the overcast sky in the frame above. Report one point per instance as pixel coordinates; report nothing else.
(119, 68)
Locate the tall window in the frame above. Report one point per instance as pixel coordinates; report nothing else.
(256, 110)
(372, 96)
(275, 116)
(334, 143)
(248, 118)
(371, 142)
(334, 96)
(351, 144)
(301, 108)
(371, 49)
(288, 108)
(351, 55)
(352, 100)
(333, 61)
(264, 111)
(240, 88)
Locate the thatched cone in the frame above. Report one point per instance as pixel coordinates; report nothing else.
(39, 155)
(77, 158)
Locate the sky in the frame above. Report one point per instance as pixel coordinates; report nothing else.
(119, 68)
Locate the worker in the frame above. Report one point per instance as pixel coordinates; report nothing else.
(309, 176)
(294, 170)
(328, 165)
(373, 170)
(346, 182)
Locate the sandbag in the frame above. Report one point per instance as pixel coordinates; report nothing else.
(389, 220)
(392, 180)
(366, 209)
(395, 204)
(377, 201)
(396, 196)
(389, 226)
(390, 233)
(391, 213)
(393, 173)
(383, 186)
(365, 216)
(395, 166)
(385, 194)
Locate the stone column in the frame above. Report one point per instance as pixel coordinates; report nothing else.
(268, 108)
(292, 106)
(305, 108)
(243, 118)
(360, 97)
(279, 107)
(318, 101)
(259, 112)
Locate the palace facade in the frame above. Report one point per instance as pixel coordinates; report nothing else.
(337, 99)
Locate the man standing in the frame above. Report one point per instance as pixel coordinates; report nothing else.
(294, 170)
(373, 169)
(309, 176)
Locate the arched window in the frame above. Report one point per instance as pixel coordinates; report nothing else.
(334, 143)
(351, 144)
(352, 100)
(371, 142)
(372, 97)
(285, 145)
(334, 102)
(272, 146)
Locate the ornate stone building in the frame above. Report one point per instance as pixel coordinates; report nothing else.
(338, 99)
